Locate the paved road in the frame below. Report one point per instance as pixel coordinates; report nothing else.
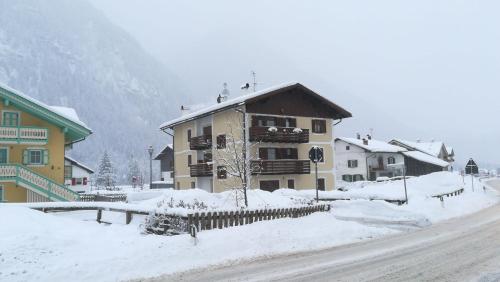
(462, 249)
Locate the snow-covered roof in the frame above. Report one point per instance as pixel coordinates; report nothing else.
(426, 158)
(79, 164)
(160, 154)
(374, 146)
(432, 148)
(241, 100)
(61, 111)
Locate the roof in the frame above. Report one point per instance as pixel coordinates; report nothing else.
(431, 148)
(78, 164)
(163, 152)
(374, 146)
(61, 116)
(241, 100)
(450, 151)
(426, 158)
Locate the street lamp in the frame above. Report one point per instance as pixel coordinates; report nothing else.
(150, 151)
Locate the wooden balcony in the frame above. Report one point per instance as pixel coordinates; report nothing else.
(275, 167)
(202, 169)
(23, 135)
(281, 135)
(201, 142)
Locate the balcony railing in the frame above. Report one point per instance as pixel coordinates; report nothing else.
(201, 142)
(23, 135)
(278, 134)
(202, 169)
(273, 167)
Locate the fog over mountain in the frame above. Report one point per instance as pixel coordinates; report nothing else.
(65, 52)
(416, 70)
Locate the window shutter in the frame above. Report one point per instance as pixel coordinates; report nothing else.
(295, 154)
(45, 157)
(255, 121)
(281, 122)
(25, 157)
(73, 181)
(85, 181)
(263, 153)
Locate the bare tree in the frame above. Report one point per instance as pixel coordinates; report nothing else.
(236, 160)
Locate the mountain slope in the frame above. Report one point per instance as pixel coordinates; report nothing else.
(65, 52)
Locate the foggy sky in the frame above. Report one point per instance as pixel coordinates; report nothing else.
(413, 70)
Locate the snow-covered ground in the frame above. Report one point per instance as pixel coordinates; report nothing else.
(54, 247)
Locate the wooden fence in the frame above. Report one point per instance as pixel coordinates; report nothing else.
(224, 219)
(103, 198)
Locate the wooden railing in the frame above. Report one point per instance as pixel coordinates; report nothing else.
(202, 169)
(280, 135)
(37, 183)
(201, 142)
(24, 135)
(271, 167)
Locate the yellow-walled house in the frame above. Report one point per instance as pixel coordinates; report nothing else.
(261, 138)
(34, 138)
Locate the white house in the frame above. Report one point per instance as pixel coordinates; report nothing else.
(77, 175)
(367, 159)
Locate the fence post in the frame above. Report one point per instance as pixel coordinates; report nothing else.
(219, 220)
(209, 221)
(99, 216)
(190, 220)
(128, 217)
(231, 218)
(226, 223)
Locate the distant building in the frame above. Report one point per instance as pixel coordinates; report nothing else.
(166, 158)
(77, 175)
(425, 157)
(367, 159)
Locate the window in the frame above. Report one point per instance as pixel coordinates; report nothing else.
(347, 177)
(352, 163)
(319, 126)
(10, 118)
(4, 155)
(391, 160)
(189, 135)
(1, 194)
(291, 184)
(221, 141)
(178, 185)
(189, 160)
(193, 185)
(321, 184)
(68, 172)
(271, 153)
(278, 153)
(358, 177)
(347, 148)
(221, 172)
(35, 157)
(269, 185)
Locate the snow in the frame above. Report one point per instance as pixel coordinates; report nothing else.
(67, 113)
(55, 246)
(374, 146)
(432, 148)
(426, 158)
(226, 104)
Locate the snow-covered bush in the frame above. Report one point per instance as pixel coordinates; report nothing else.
(297, 130)
(272, 129)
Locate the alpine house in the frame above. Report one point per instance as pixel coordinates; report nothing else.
(33, 140)
(260, 138)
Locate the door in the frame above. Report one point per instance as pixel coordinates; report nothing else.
(1, 193)
(269, 185)
(4, 155)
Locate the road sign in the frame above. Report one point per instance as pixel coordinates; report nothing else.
(316, 154)
(471, 167)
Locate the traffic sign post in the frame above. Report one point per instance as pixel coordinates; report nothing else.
(471, 168)
(316, 155)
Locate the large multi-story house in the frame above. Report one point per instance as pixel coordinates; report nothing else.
(33, 140)
(271, 131)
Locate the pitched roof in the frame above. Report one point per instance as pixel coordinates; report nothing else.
(163, 151)
(61, 116)
(373, 146)
(426, 158)
(76, 163)
(241, 100)
(432, 148)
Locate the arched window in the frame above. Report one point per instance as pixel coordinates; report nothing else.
(391, 160)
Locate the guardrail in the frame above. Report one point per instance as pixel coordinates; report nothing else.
(37, 183)
(270, 167)
(449, 194)
(280, 134)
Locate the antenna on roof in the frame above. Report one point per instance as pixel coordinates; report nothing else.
(254, 81)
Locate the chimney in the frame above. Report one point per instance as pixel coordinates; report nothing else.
(358, 136)
(184, 110)
(369, 137)
(224, 95)
(365, 141)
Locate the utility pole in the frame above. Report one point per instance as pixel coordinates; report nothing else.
(150, 151)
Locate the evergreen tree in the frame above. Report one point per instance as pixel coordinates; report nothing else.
(106, 177)
(134, 174)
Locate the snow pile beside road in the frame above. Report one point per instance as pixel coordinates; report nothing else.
(45, 247)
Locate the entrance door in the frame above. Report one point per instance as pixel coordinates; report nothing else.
(1, 193)
(4, 155)
(269, 185)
